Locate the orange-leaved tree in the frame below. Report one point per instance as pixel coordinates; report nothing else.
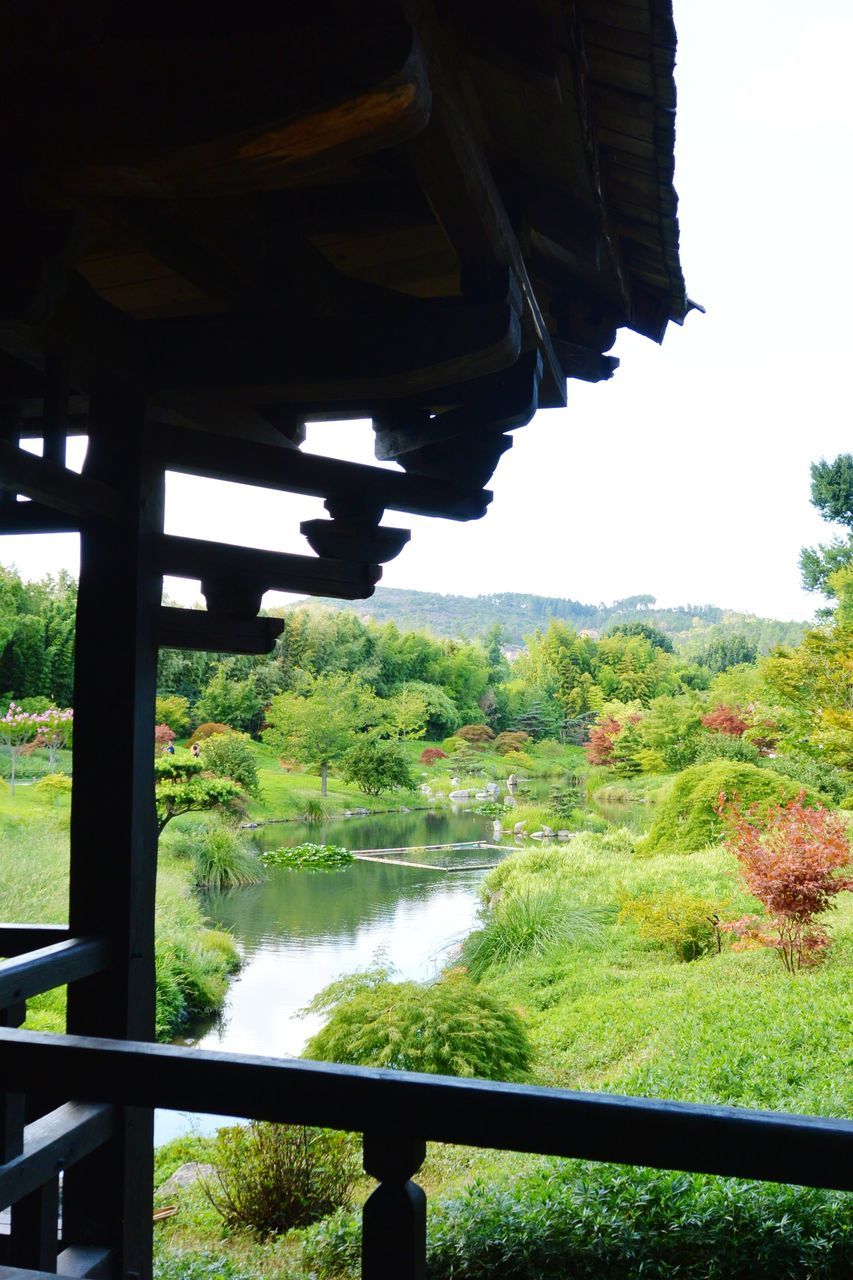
(791, 860)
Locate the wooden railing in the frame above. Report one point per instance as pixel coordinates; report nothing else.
(397, 1112)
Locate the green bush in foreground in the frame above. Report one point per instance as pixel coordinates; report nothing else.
(573, 1221)
(271, 1177)
(687, 819)
(449, 1028)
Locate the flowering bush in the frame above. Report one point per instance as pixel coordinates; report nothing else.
(50, 728)
(163, 738)
(790, 861)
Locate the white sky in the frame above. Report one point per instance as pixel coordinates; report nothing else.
(687, 475)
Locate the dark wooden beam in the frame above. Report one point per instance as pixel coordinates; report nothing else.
(512, 406)
(196, 629)
(52, 966)
(244, 462)
(270, 570)
(80, 1263)
(57, 487)
(377, 354)
(584, 363)
(15, 939)
(730, 1141)
(313, 95)
(56, 1141)
(34, 517)
(107, 1197)
(454, 173)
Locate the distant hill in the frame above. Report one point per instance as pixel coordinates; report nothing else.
(690, 627)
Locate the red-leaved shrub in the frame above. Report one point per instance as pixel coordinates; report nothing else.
(476, 735)
(429, 755)
(163, 738)
(790, 862)
(726, 720)
(599, 744)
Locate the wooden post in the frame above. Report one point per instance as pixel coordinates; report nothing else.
(55, 424)
(35, 1229)
(12, 1105)
(107, 1197)
(394, 1217)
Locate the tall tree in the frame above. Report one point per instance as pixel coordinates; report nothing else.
(832, 494)
(319, 725)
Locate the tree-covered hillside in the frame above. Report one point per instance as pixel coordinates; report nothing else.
(692, 628)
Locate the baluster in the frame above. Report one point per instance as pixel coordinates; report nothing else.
(35, 1229)
(12, 1105)
(394, 1217)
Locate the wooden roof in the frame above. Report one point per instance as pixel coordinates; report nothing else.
(426, 213)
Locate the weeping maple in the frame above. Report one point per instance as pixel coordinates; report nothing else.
(790, 860)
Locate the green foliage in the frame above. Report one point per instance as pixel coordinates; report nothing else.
(723, 746)
(647, 632)
(315, 810)
(207, 730)
(270, 1177)
(449, 1028)
(822, 778)
(832, 494)
(53, 787)
(228, 699)
(222, 860)
(230, 755)
(688, 923)
(476, 735)
(173, 710)
(531, 921)
(608, 1222)
(181, 787)
(308, 856)
(727, 651)
(318, 726)
(511, 740)
(375, 766)
(191, 1264)
(687, 817)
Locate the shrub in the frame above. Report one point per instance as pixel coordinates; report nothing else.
(727, 720)
(163, 738)
(452, 745)
(270, 1177)
(516, 760)
(173, 710)
(572, 1219)
(684, 921)
(375, 766)
(429, 755)
(53, 787)
(449, 1028)
(726, 746)
(511, 740)
(528, 922)
(230, 755)
(183, 1264)
(207, 730)
(789, 861)
(599, 745)
(223, 861)
(821, 777)
(476, 735)
(688, 817)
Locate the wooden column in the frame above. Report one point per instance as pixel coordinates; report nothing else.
(107, 1197)
(394, 1217)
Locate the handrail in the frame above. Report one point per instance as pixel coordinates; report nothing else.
(805, 1150)
(52, 966)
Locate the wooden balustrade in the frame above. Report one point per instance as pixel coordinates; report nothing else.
(398, 1112)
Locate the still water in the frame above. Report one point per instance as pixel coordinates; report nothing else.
(300, 930)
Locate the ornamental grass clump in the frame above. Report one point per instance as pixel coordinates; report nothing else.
(792, 861)
(222, 860)
(530, 922)
(272, 1177)
(686, 922)
(450, 1027)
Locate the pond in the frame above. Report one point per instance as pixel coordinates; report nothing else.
(300, 930)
